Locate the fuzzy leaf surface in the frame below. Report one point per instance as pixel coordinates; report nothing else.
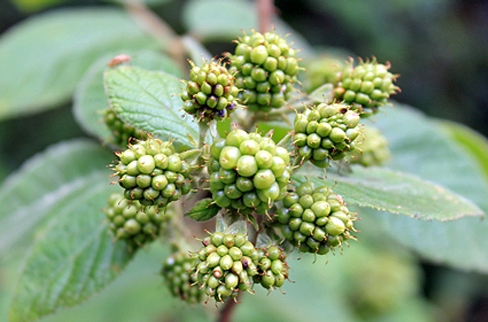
(149, 100)
(428, 152)
(43, 58)
(399, 193)
(421, 147)
(90, 99)
(53, 202)
(46, 180)
(73, 257)
(203, 210)
(474, 143)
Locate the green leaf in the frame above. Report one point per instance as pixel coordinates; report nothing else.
(474, 143)
(203, 210)
(72, 259)
(35, 5)
(397, 193)
(55, 176)
(461, 244)
(43, 58)
(149, 100)
(220, 223)
(263, 240)
(54, 202)
(419, 146)
(90, 99)
(237, 227)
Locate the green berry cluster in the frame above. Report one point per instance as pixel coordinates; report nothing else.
(314, 219)
(248, 175)
(372, 148)
(210, 93)
(121, 132)
(266, 68)
(366, 87)
(178, 277)
(134, 223)
(152, 172)
(322, 70)
(226, 265)
(248, 172)
(325, 132)
(272, 268)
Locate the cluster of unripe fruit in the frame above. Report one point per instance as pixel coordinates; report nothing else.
(135, 223)
(152, 172)
(314, 219)
(210, 93)
(120, 131)
(266, 69)
(326, 132)
(247, 174)
(226, 265)
(366, 87)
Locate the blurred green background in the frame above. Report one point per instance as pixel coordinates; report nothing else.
(440, 49)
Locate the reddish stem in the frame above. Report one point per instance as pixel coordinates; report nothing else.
(265, 12)
(228, 309)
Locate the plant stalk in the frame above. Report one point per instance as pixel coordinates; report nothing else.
(266, 11)
(228, 309)
(203, 127)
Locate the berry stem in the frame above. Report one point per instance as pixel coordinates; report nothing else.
(265, 12)
(203, 133)
(228, 309)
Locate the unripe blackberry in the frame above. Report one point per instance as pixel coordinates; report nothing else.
(210, 93)
(266, 68)
(272, 268)
(134, 223)
(152, 172)
(121, 132)
(372, 148)
(177, 273)
(325, 132)
(322, 70)
(314, 219)
(226, 265)
(366, 87)
(248, 172)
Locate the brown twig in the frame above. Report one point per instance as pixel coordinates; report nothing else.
(159, 29)
(266, 11)
(228, 309)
